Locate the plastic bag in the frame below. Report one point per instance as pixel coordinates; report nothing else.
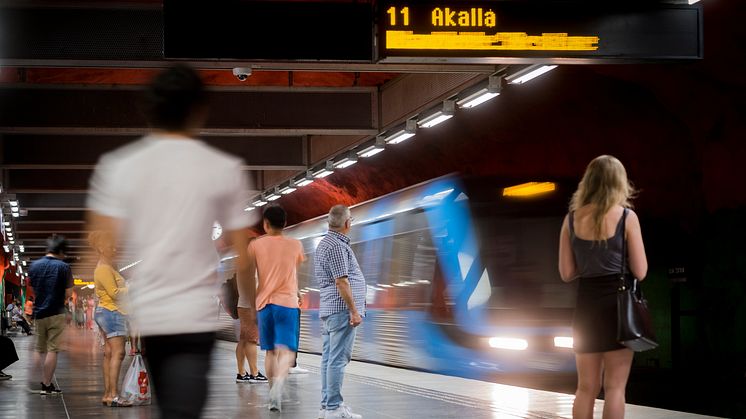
(136, 387)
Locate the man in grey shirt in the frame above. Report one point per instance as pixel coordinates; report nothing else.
(342, 308)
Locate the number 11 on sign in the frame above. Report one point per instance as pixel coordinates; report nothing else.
(393, 13)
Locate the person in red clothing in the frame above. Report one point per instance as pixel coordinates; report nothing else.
(28, 310)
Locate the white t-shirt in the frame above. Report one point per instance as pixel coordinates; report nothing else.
(168, 193)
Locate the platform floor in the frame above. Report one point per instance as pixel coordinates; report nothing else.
(372, 390)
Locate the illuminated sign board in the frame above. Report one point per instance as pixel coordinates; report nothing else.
(525, 31)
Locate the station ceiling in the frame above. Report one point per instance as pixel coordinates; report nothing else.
(70, 91)
(66, 101)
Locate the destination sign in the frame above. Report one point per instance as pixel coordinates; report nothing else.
(536, 30)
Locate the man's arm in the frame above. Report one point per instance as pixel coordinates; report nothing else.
(245, 266)
(345, 290)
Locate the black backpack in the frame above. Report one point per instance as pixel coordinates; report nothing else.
(229, 297)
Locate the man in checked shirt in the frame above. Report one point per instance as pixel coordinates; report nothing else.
(342, 308)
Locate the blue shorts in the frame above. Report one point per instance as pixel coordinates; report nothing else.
(278, 326)
(113, 323)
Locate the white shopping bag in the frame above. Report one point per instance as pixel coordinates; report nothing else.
(136, 387)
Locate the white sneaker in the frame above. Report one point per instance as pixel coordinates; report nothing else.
(342, 412)
(297, 370)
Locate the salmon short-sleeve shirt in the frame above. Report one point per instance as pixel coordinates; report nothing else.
(277, 259)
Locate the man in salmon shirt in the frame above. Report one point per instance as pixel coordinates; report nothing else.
(275, 259)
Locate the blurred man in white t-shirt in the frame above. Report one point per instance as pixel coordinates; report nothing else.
(161, 196)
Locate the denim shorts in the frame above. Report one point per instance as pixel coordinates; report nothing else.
(278, 326)
(113, 323)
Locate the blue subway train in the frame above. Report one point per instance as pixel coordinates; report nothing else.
(461, 278)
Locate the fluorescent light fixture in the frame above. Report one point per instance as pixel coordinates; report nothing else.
(15, 214)
(514, 344)
(306, 180)
(22, 248)
(260, 202)
(373, 149)
(14, 209)
(24, 263)
(249, 208)
(6, 248)
(11, 241)
(326, 171)
(494, 86)
(693, 1)
(12, 263)
(274, 195)
(529, 73)
(403, 134)
(7, 223)
(13, 203)
(529, 189)
(288, 189)
(346, 161)
(563, 342)
(8, 229)
(439, 116)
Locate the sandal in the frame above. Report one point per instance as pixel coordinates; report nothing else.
(117, 402)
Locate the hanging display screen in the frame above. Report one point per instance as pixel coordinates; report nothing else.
(500, 29)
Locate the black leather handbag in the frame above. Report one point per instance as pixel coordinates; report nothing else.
(634, 324)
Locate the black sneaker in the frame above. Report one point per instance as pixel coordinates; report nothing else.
(258, 378)
(50, 389)
(243, 378)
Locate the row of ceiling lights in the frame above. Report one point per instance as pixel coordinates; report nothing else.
(465, 100)
(18, 248)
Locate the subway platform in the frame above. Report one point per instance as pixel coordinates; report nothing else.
(372, 390)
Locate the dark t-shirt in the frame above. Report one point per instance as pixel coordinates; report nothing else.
(50, 277)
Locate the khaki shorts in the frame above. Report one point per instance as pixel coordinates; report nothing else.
(49, 333)
(249, 329)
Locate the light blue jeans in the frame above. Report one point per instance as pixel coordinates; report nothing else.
(338, 337)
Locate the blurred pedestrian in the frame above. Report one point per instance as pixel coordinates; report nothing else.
(246, 351)
(28, 310)
(591, 246)
(110, 314)
(161, 196)
(8, 355)
(296, 369)
(52, 281)
(342, 308)
(275, 259)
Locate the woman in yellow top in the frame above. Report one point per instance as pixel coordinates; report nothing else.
(110, 315)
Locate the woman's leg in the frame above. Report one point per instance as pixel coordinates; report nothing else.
(616, 371)
(105, 367)
(115, 364)
(589, 384)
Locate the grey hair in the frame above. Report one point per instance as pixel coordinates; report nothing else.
(338, 215)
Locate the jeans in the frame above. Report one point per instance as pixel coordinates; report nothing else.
(178, 367)
(338, 338)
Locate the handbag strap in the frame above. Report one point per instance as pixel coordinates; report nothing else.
(622, 281)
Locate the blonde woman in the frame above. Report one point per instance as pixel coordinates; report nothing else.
(590, 251)
(110, 315)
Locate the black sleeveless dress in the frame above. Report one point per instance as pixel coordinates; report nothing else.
(595, 320)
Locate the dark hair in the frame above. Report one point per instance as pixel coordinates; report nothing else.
(173, 96)
(276, 216)
(57, 245)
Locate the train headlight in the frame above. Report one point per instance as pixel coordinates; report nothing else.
(563, 342)
(515, 344)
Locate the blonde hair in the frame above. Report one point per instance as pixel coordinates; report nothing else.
(603, 186)
(99, 238)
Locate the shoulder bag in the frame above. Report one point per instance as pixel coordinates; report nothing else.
(634, 324)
